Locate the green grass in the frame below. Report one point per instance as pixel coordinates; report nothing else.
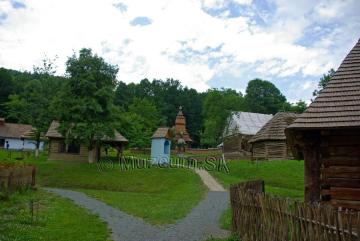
(158, 195)
(225, 219)
(231, 238)
(282, 178)
(54, 219)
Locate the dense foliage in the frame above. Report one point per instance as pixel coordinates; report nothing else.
(263, 97)
(217, 106)
(323, 81)
(90, 96)
(84, 104)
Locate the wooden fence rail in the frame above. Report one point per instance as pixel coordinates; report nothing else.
(14, 177)
(259, 217)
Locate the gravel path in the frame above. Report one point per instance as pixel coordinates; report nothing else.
(198, 225)
(209, 181)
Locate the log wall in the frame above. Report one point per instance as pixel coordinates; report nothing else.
(236, 143)
(340, 168)
(232, 143)
(56, 154)
(270, 150)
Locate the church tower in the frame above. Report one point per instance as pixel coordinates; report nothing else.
(180, 128)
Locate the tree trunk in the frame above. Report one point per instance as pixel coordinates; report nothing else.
(91, 156)
(37, 147)
(312, 172)
(98, 153)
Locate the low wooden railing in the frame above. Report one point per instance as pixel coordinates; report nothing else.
(260, 217)
(16, 177)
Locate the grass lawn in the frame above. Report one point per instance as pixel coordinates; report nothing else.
(54, 219)
(158, 195)
(282, 178)
(232, 238)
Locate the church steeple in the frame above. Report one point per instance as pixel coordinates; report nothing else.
(180, 127)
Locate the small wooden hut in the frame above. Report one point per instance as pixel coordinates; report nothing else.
(327, 135)
(60, 150)
(269, 143)
(241, 126)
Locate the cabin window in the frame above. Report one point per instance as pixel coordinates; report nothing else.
(2, 143)
(71, 148)
(166, 147)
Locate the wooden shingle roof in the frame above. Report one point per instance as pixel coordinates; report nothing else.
(275, 128)
(180, 127)
(338, 104)
(53, 133)
(12, 130)
(161, 132)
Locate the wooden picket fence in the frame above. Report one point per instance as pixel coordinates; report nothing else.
(259, 217)
(16, 177)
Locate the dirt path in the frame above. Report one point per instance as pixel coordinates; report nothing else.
(209, 181)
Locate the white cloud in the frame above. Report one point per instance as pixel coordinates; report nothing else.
(182, 38)
(243, 2)
(213, 3)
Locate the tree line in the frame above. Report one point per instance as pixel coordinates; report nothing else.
(92, 102)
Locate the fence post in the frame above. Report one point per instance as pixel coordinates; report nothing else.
(259, 217)
(33, 176)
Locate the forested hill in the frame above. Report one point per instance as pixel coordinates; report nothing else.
(141, 108)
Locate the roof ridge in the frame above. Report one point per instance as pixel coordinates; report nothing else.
(274, 129)
(342, 94)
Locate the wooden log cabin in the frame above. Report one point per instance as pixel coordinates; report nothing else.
(241, 126)
(59, 150)
(327, 136)
(269, 143)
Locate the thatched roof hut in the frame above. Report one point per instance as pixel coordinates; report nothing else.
(327, 135)
(269, 143)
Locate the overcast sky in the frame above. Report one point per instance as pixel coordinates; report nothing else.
(203, 43)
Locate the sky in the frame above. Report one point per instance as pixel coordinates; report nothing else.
(203, 43)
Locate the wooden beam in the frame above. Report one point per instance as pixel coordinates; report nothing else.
(352, 194)
(312, 171)
(343, 182)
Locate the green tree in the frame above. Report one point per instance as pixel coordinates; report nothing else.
(6, 88)
(33, 104)
(217, 107)
(324, 80)
(299, 107)
(167, 96)
(85, 104)
(140, 122)
(263, 97)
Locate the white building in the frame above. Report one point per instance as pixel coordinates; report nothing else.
(12, 136)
